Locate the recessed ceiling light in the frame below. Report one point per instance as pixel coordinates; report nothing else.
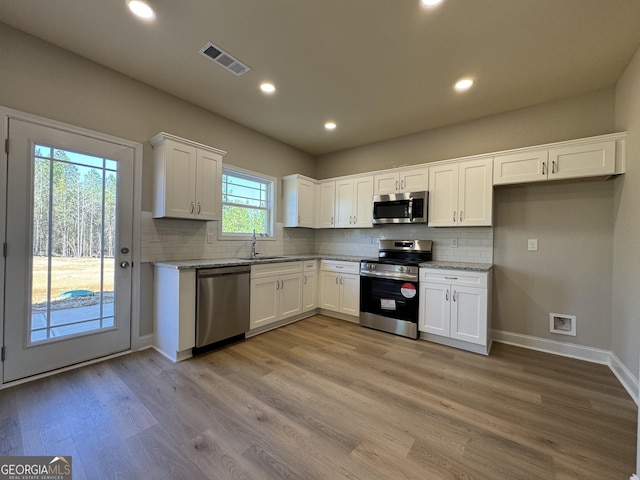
(141, 9)
(330, 125)
(430, 3)
(463, 84)
(267, 87)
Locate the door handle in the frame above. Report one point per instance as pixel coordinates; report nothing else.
(124, 264)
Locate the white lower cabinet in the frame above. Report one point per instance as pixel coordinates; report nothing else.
(310, 285)
(455, 308)
(340, 286)
(276, 292)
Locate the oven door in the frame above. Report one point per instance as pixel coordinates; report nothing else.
(387, 297)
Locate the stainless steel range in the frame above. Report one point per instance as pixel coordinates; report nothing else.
(389, 293)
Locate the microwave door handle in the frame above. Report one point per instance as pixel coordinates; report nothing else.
(410, 209)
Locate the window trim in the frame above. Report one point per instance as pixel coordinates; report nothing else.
(271, 199)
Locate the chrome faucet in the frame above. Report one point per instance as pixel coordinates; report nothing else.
(253, 245)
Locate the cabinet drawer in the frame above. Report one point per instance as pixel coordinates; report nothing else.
(310, 265)
(340, 267)
(454, 277)
(270, 269)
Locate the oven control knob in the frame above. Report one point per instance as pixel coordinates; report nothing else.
(373, 266)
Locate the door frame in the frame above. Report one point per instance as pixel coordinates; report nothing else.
(8, 113)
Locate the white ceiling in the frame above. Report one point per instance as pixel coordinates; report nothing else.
(379, 68)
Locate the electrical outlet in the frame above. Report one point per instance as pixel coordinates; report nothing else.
(454, 243)
(532, 244)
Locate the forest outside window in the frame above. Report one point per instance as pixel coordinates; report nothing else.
(247, 204)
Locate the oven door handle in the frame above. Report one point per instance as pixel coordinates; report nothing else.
(390, 276)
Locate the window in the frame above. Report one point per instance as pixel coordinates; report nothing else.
(247, 203)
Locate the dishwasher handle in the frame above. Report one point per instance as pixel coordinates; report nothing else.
(219, 271)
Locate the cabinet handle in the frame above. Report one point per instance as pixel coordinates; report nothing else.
(396, 185)
(192, 207)
(460, 215)
(454, 216)
(282, 287)
(454, 295)
(305, 280)
(451, 278)
(337, 281)
(543, 165)
(341, 280)
(553, 167)
(401, 184)
(277, 284)
(355, 220)
(199, 208)
(331, 220)
(446, 295)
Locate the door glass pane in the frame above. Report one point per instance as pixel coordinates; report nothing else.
(74, 242)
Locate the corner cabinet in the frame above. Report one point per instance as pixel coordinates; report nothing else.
(455, 308)
(187, 179)
(461, 194)
(299, 195)
(276, 292)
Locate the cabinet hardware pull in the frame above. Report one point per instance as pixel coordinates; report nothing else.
(553, 167)
(454, 295)
(543, 165)
(355, 219)
(282, 287)
(305, 279)
(401, 184)
(192, 207)
(277, 284)
(451, 278)
(199, 208)
(461, 215)
(454, 216)
(446, 295)
(396, 184)
(331, 220)
(341, 280)
(337, 281)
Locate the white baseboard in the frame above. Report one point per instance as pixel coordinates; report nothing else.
(572, 350)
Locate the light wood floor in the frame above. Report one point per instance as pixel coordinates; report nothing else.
(327, 399)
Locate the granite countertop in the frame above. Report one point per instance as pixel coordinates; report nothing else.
(472, 267)
(227, 262)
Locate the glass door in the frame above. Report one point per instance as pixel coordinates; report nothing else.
(68, 278)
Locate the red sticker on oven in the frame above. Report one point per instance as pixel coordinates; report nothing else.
(408, 290)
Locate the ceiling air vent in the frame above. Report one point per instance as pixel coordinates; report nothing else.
(223, 59)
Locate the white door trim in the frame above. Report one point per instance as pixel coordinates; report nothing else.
(5, 115)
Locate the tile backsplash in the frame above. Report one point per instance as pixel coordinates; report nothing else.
(172, 239)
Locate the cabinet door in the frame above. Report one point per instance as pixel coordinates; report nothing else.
(583, 160)
(309, 291)
(434, 316)
(350, 294)
(386, 183)
(330, 291)
(180, 181)
(475, 193)
(327, 204)
(264, 301)
(520, 167)
(443, 195)
(415, 180)
(290, 291)
(363, 202)
(469, 314)
(306, 203)
(208, 185)
(344, 204)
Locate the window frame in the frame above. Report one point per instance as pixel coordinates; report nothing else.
(271, 199)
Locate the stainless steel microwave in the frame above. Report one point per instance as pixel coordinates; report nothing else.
(410, 207)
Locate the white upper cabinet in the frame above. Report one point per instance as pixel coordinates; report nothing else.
(299, 195)
(401, 180)
(589, 157)
(326, 207)
(187, 179)
(354, 202)
(460, 194)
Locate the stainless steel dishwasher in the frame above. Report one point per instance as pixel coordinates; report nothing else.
(222, 304)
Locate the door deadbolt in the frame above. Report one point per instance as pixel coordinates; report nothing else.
(124, 250)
